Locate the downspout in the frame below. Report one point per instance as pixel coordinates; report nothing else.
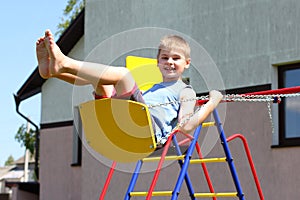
(37, 135)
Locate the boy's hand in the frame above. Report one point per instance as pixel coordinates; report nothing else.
(215, 97)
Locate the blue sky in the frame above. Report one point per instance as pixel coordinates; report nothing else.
(22, 23)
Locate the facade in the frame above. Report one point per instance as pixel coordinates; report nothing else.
(237, 47)
(13, 182)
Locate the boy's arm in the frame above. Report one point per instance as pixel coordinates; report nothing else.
(214, 99)
(187, 105)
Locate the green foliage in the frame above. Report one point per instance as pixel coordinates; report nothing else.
(9, 161)
(26, 139)
(72, 9)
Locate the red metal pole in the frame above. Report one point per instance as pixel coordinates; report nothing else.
(109, 176)
(277, 91)
(208, 180)
(161, 161)
(250, 160)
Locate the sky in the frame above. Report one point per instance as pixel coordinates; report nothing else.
(22, 22)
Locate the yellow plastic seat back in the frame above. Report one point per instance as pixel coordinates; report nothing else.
(120, 130)
(144, 71)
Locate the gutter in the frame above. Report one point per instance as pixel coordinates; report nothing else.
(37, 135)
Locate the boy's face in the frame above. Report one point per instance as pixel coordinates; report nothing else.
(172, 64)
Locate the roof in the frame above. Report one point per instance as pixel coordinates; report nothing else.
(13, 175)
(21, 160)
(5, 169)
(66, 42)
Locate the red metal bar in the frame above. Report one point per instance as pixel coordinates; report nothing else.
(188, 138)
(265, 92)
(160, 163)
(109, 176)
(250, 160)
(208, 180)
(184, 141)
(277, 91)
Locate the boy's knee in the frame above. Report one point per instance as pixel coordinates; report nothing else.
(125, 82)
(124, 71)
(126, 74)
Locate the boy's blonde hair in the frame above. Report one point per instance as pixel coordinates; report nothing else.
(175, 42)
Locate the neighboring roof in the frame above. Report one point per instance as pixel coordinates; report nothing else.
(22, 159)
(66, 42)
(5, 169)
(13, 175)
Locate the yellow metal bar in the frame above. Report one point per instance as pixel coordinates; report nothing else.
(207, 124)
(207, 160)
(219, 194)
(154, 193)
(151, 159)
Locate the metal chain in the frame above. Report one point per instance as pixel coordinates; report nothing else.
(270, 116)
(233, 98)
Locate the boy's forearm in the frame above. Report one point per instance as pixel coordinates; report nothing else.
(199, 117)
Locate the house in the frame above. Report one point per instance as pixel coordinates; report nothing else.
(13, 180)
(237, 47)
(4, 172)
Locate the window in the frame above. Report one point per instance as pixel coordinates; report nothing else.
(289, 108)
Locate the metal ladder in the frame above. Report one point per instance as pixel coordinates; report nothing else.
(184, 160)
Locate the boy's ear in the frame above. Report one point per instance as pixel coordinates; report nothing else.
(188, 62)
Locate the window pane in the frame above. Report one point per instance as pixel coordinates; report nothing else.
(292, 105)
(292, 117)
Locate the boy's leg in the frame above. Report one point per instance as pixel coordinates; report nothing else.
(44, 61)
(43, 66)
(104, 91)
(96, 74)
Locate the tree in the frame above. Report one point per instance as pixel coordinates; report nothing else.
(73, 8)
(9, 161)
(26, 138)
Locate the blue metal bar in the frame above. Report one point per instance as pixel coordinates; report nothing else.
(187, 178)
(186, 163)
(133, 179)
(228, 156)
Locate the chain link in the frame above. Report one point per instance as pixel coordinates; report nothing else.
(233, 98)
(270, 117)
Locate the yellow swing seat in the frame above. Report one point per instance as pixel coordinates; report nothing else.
(120, 130)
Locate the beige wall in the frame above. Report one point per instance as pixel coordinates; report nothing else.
(58, 180)
(274, 166)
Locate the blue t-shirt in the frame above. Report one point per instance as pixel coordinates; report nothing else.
(164, 116)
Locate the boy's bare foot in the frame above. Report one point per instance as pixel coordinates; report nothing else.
(56, 58)
(43, 58)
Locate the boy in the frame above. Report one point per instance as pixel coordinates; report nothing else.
(117, 82)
